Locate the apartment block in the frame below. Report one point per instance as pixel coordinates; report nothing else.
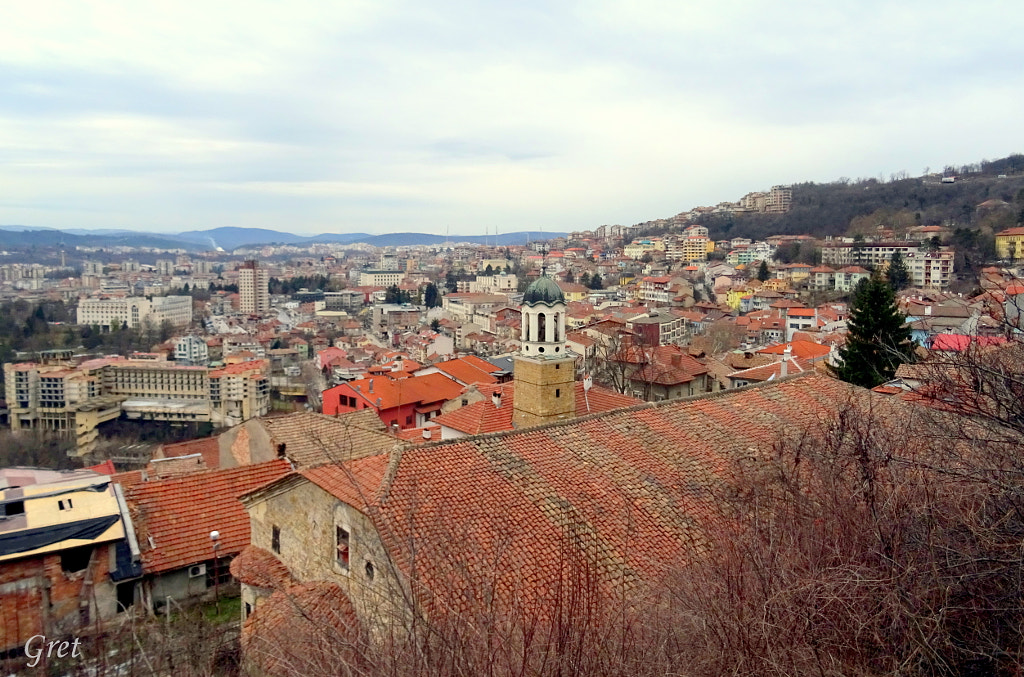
(76, 397)
(135, 311)
(929, 269)
(253, 288)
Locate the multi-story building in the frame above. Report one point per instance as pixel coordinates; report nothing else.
(253, 288)
(136, 311)
(191, 350)
(1010, 243)
(778, 200)
(239, 392)
(929, 269)
(75, 398)
(380, 278)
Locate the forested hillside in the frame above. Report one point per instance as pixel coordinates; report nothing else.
(823, 209)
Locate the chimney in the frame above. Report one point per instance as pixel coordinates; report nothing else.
(677, 360)
(370, 387)
(426, 434)
(786, 354)
(378, 402)
(496, 399)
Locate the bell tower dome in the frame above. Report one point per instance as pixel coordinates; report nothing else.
(544, 373)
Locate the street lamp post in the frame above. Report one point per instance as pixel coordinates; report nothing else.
(215, 539)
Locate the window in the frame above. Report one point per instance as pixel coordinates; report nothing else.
(14, 508)
(408, 420)
(341, 541)
(369, 570)
(558, 392)
(275, 539)
(64, 505)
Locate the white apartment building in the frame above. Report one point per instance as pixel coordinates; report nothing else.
(253, 288)
(136, 311)
(380, 278)
(191, 350)
(494, 284)
(928, 269)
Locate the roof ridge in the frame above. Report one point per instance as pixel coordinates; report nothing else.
(766, 385)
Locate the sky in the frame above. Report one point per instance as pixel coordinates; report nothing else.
(469, 117)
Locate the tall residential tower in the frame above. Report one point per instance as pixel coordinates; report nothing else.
(253, 293)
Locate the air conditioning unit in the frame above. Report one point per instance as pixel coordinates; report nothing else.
(197, 570)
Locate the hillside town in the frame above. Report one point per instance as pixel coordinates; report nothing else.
(342, 397)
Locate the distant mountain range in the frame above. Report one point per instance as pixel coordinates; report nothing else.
(230, 239)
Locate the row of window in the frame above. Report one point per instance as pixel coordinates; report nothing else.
(342, 549)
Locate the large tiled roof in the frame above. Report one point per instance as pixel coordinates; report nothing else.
(178, 514)
(805, 350)
(466, 372)
(259, 568)
(484, 417)
(208, 447)
(416, 390)
(313, 439)
(623, 494)
(289, 632)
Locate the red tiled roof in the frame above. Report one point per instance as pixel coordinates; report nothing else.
(484, 417)
(637, 484)
(805, 350)
(208, 447)
(416, 390)
(178, 514)
(287, 633)
(466, 372)
(257, 567)
(773, 370)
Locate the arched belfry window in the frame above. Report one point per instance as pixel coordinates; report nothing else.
(541, 327)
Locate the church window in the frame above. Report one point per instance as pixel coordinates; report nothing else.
(275, 539)
(342, 542)
(558, 392)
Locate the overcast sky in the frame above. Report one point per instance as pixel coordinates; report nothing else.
(378, 116)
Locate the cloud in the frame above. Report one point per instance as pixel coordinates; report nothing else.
(468, 115)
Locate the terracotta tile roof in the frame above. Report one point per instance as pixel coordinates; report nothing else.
(178, 514)
(161, 468)
(416, 390)
(484, 417)
(805, 350)
(313, 439)
(257, 567)
(206, 446)
(287, 633)
(772, 371)
(635, 487)
(465, 371)
(130, 477)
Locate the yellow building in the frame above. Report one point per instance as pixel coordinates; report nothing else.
(1010, 243)
(735, 297)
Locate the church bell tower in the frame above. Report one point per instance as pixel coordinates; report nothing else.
(544, 373)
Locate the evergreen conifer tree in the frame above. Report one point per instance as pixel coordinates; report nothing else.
(762, 272)
(898, 274)
(878, 341)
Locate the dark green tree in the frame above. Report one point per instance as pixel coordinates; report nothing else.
(435, 324)
(431, 296)
(585, 279)
(489, 270)
(595, 281)
(877, 340)
(762, 272)
(897, 273)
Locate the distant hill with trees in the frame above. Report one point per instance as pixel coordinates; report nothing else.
(846, 206)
